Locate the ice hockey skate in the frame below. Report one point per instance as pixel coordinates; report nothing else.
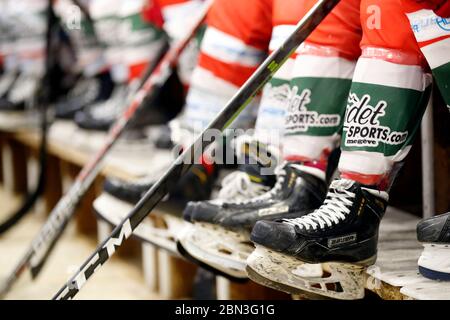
(165, 223)
(86, 91)
(17, 107)
(325, 252)
(219, 237)
(434, 234)
(94, 121)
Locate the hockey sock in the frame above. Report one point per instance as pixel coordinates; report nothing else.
(386, 102)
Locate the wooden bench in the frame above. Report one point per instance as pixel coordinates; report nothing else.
(393, 277)
(64, 163)
(163, 269)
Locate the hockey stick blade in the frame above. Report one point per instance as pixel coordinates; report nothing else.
(47, 237)
(182, 164)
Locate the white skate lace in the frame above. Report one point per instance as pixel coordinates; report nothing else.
(335, 208)
(5, 82)
(23, 89)
(111, 107)
(238, 186)
(86, 90)
(281, 177)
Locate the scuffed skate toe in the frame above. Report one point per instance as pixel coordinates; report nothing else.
(434, 229)
(123, 191)
(85, 121)
(274, 235)
(189, 210)
(204, 211)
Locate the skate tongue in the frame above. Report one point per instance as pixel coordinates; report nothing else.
(254, 173)
(342, 184)
(239, 186)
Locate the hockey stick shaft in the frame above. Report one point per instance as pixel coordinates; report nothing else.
(45, 87)
(42, 245)
(166, 183)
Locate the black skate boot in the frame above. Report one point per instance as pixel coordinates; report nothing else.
(324, 252)
(93, 122)
(248, 179)
(293, 192)
(99, 116)
(86, 92)
(434, 234)
(157, 111)
(219, 237)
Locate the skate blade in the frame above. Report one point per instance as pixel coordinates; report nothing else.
(338, 281)
(185, 254)
(225, 257)
(296, 293)
(164, 236)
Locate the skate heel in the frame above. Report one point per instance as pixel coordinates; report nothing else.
(344, 281)
(367, 262)
(335, 280)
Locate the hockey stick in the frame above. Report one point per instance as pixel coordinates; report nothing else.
(31, 198)
(45, 93)
(64, 210)
(166, 183)
(47, 96)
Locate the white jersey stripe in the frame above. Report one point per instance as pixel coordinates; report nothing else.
(279, 35)
(380, 72)
(227, 48)
(323, 67)
(438, 53)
